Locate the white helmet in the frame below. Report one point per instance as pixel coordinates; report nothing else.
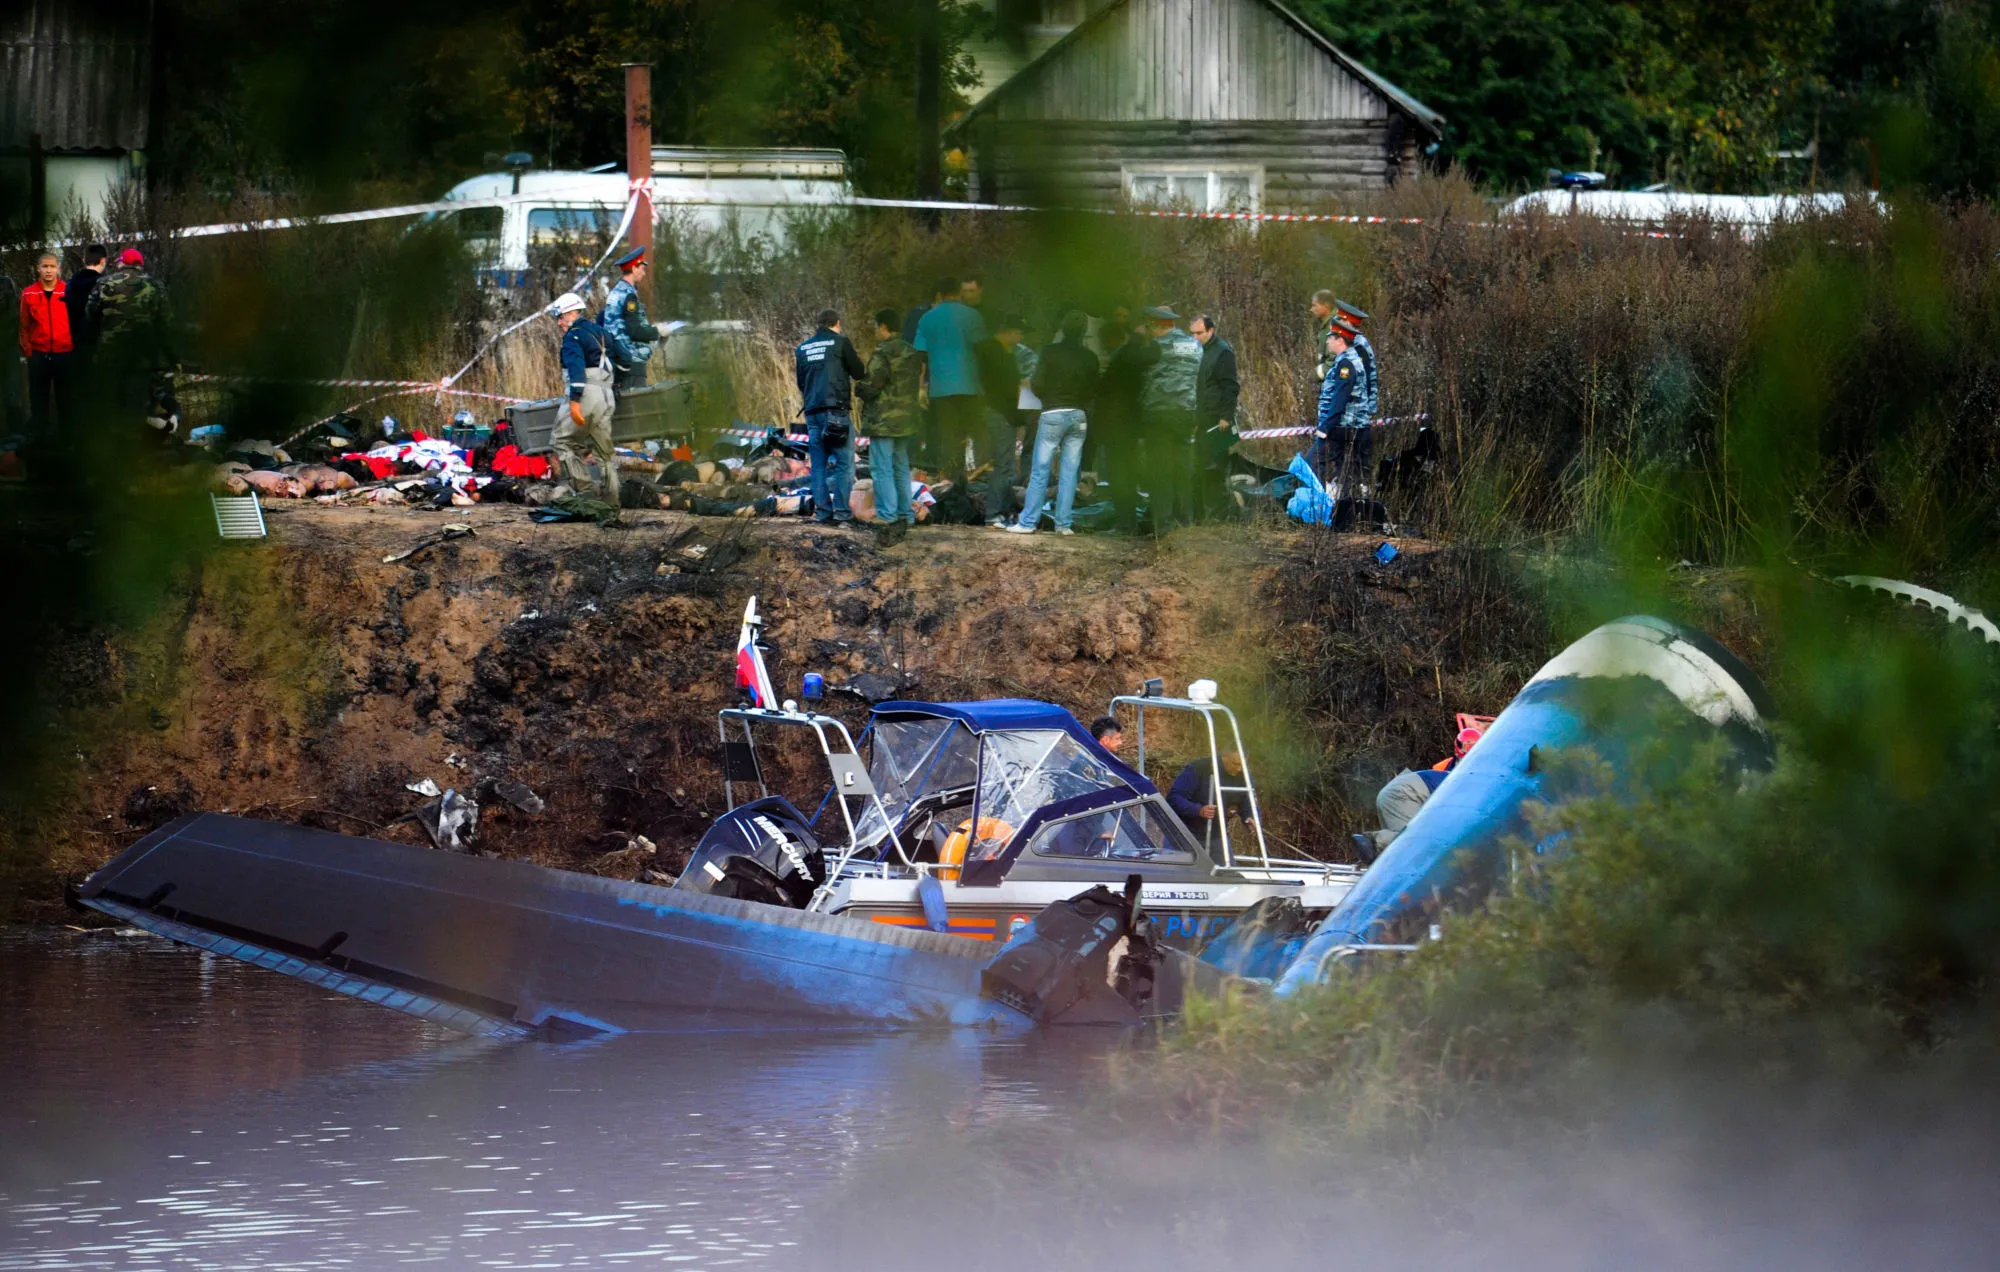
(567, 303)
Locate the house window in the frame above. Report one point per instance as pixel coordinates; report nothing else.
(1200, 189)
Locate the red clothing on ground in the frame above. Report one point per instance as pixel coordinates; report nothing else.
(508, 461)
(45, 320)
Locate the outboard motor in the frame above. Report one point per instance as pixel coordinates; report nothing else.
(1060, 958)
(1643, 694)
(1093, 960)
(763, 851)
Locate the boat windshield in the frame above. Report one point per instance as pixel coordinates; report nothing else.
(1135, 832)
(1022, 770)
(915, 758)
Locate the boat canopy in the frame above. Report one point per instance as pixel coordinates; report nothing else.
(1034, 752)
(1009, 715)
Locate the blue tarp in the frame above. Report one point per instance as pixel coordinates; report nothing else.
(1309, 503)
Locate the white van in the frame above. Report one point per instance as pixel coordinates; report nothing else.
(1750, 214)
(696, 186)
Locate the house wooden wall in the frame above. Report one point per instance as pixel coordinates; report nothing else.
(1186, 82)
(1304, 164)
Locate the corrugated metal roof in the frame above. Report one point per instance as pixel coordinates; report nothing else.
(78, 73)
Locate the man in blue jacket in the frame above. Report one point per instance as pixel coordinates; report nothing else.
(1193, 796)
(826, 367)
(583, 434)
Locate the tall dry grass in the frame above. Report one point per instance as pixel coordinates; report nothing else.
(1566, 364)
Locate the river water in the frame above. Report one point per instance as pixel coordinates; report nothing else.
(160, 1108)
(164, 1108)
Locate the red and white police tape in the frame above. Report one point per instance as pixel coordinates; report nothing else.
(1254, 434)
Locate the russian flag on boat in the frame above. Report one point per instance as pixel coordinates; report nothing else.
(750, 672)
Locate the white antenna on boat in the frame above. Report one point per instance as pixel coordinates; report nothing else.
(751, 673)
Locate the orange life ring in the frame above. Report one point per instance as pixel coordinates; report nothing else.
(952, 855)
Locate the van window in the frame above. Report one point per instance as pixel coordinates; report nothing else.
(479, 227)
(556, 225)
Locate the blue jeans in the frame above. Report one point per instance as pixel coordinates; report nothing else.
(889, 463)
(1062, 429)
(832, 469)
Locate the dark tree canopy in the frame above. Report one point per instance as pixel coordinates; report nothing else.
(1741, 95)
(1732, 95)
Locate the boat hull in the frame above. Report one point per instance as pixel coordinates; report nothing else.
(505, 945)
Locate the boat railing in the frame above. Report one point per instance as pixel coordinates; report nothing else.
(1355, 953)
(1210, 711)
(843, 761)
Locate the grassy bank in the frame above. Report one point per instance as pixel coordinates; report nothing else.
(1829, 922)
(1834, 919)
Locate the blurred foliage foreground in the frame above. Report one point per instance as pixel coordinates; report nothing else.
(1823, 399)
(1830, 923)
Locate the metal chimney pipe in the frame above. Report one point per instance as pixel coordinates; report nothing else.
(639, 159)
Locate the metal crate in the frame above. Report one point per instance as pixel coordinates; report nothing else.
(534, 424)
(658, 410)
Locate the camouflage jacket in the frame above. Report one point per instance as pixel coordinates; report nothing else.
(631, 331)
(128, 310)
(889, 405)
(1170, 382)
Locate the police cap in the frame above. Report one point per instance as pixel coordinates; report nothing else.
(1353, 315)
(631, 260)
(1343, 328)
(1159, 313)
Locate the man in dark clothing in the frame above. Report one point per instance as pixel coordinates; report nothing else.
(942, 290)
(1193, 796)
(1117, 422)
(1000, 381)
(826, 366)
(81, 284)
(1216, 390)
(128, 317)
(1167, 420)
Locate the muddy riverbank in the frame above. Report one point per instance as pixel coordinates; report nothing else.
(311, 679)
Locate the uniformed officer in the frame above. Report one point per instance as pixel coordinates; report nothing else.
(1366, 352)
(584, 434)
(1344, 444)
(625, 322)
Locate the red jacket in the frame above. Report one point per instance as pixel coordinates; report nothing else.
(44, 320)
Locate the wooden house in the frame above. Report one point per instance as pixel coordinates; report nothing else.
(1211, 104)
(75, 107)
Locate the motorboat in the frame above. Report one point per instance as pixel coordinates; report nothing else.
(971, 817)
